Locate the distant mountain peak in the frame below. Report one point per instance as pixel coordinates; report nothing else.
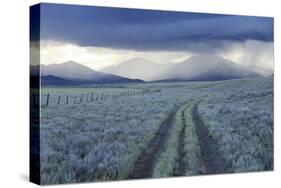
(72, 63)
(205, 67)
(207, 58)
(73, 71)
(137, 68)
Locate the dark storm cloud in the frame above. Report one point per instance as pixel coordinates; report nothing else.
(149, 30)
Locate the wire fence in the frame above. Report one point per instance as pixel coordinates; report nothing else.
(82, 98)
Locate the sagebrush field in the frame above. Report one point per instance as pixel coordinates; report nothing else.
(127, 131)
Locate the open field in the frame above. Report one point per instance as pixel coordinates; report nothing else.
(156, 130)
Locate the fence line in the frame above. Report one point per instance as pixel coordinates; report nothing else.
(47, 99)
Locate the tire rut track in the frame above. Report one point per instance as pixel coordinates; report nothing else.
(213, 162)
(210, 155)
(143, 167)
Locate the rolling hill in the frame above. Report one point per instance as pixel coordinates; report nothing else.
(50, 80)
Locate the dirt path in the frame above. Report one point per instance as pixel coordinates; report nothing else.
(211, 156)
(143, 167)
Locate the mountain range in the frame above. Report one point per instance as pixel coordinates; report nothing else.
(138, 70)
(72, 73)
(206, 68)
(201, 68)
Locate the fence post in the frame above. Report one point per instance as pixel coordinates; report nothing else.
(47, 102)
(74, 101)
(81, 98)
(66, 99)
(59, 100)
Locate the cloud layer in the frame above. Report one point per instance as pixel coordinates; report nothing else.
(102, 36)
(250, 53)
(145, 30)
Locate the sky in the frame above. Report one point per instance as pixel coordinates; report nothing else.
(100, 36)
